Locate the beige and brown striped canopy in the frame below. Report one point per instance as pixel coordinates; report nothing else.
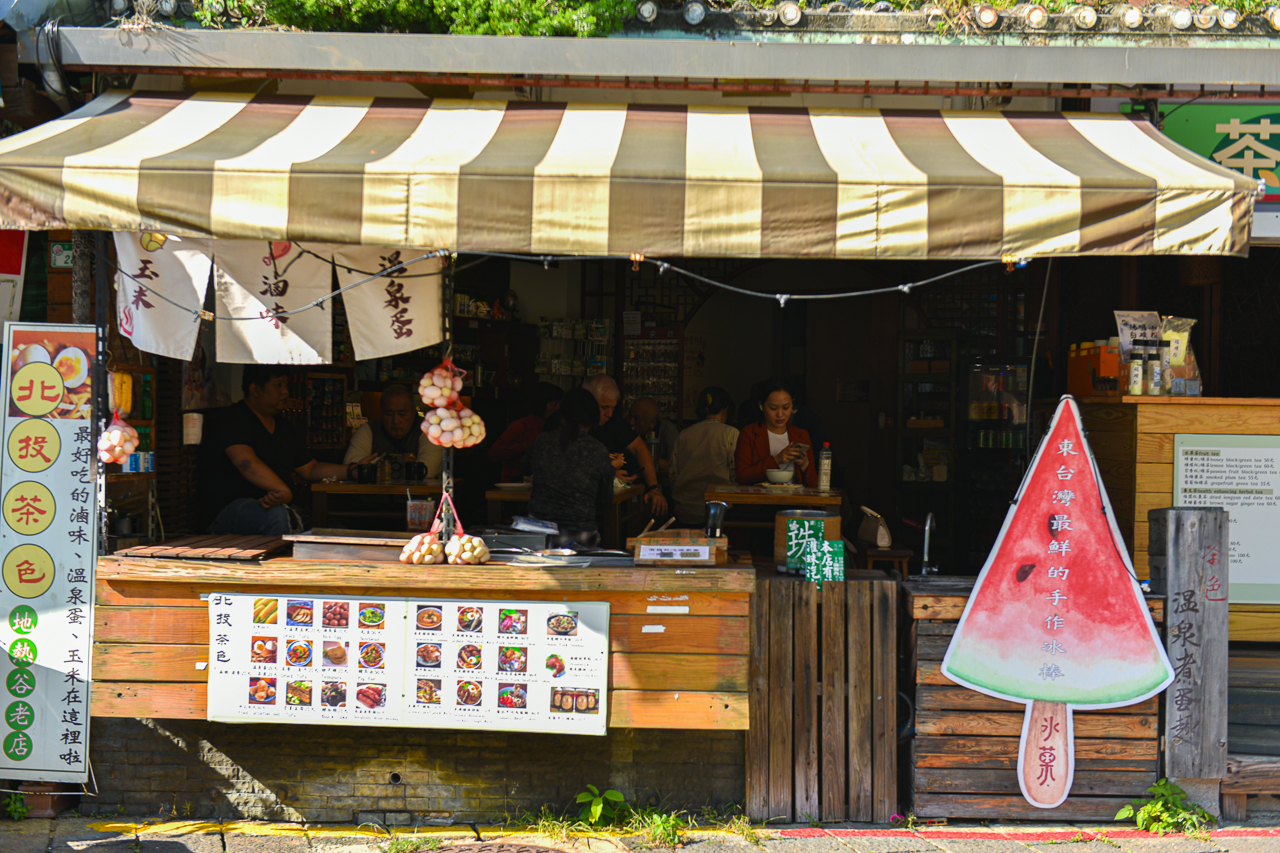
(616, 179)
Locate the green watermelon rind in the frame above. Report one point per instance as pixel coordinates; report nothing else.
(973, 672)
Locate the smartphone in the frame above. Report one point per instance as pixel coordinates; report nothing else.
(801, 447)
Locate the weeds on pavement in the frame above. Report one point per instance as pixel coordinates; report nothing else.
(1168, 810)
(414, 844)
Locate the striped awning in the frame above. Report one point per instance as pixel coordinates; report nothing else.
(618, 178)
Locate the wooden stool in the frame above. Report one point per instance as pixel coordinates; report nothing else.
(897, 556)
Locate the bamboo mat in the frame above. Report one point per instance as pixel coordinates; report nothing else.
(209, 547)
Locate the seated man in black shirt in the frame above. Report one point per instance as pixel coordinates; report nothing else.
(620, 439)
(248, 456)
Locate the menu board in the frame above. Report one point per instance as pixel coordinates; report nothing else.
(48, 545)
(1241, 474)
(424, 663)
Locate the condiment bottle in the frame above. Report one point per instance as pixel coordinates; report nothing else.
(1166, 372)
(824, 467)
(1137, 363)
(1153, 381)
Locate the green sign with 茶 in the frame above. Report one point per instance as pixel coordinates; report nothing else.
(1244, 138)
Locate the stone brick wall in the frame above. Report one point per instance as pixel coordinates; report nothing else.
(345, 773)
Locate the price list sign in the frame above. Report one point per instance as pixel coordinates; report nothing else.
(48, 543)
(1241, 474)
(438, 663)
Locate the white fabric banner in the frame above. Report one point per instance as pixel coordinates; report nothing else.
(257, 278)
(178, 267)
(394, 314)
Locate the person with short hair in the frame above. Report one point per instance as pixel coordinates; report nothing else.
(572, 474)
(703, 456)
(397, 430)
(776, 442)
(517, 438)
(619, 438)
(645, 419)
(248, 456)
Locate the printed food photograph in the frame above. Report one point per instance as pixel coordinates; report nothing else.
(430, 617)
(470, 619)
(513, 621)
(334, 694)
(513, 695)
(62, 387)
(336, 614)
(469, 692)
(429, 655)
(298, 653)
(563, 624)
(570, 701)
(297, 693)
(555, 663)
(262, 691)
(372, 615)
(428, 691)
(334, 653)
(371, 695)
(512, 659)
(372, 655)
(299, 613)
(262, 650)
(265, 611)
(469, 657)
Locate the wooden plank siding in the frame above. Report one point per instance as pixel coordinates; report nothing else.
(1132, 441)
(152, 629)
(964, 755)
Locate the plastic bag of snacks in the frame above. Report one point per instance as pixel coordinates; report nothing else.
(117, 441)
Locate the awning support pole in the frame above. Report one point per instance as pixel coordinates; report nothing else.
(447, 521)
(82, 251)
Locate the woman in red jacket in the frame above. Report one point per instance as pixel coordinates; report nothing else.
(775, 443)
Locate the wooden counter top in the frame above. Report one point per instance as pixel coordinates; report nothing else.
(1185, 401)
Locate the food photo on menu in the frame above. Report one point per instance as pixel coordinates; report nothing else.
(262, 691)
(336, 614)
(297, 693)
(513, 621)
(469, 657)
(512, 659)
(513, 695)
(428, 691)
(334, 654)
(429, 655)
(299, 612)
(470, 693)
(334, 694)
(575, 701)
(372, 615)
(52, 373)
(371, 695)
(262, 650)
(373, 655)
(298, 653)
(470, 619)
(555, 663)
(265, 611)
(430, 617)
(563, 624)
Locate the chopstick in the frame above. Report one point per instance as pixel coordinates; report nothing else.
(670, 521)
(648, 526)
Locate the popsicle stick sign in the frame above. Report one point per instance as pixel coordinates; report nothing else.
(1056, 620)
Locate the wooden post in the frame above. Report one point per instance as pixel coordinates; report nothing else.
(1189, 552)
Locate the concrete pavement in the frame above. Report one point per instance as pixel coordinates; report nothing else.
(95, 835)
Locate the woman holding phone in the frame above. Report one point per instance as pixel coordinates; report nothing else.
(775, 443)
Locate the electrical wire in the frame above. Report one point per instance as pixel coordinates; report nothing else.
(1035, 347)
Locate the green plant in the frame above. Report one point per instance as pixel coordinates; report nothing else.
(120, 809)
(908, 820)
(547, 823)
(414, 844)
(733, 819)
(1168, 810)
(187, 809)
(599, 809)
(16, 806)
(659, 828)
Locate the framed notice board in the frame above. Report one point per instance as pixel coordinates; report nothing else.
(1241, 474)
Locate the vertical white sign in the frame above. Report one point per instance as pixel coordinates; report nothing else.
(438, 663)
(48, 539)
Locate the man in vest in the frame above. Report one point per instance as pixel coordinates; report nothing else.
(397, 431)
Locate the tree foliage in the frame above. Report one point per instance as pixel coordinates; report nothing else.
(459, 17)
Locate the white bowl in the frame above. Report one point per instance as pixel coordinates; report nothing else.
(777, 475)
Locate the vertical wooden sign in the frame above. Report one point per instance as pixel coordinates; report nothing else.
(1189, 551)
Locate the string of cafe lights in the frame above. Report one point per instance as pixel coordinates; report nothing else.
(663, 267)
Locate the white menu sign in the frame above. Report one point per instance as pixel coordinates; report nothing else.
(426, 663)
(1241, 474)
(48, 546)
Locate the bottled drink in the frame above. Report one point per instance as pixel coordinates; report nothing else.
(824, 467)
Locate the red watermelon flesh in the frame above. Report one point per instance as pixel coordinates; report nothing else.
(1031, 632)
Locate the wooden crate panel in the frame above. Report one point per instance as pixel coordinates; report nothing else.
(1144, 502)
(1255, 740)
(1001, 753)
(1117, 446)
(139, 663)
(710, 673)
(1086, 783)
(1225, 420)
(1154, 477)
(161, 625)
(1154, 448)
(1005, 807)
(955, 698)
(1252, 774)
(1255, 668)
(648, 709)
(1120, 417)
(155, 594)
(997, 724)
(144, 699)
(1254, 622)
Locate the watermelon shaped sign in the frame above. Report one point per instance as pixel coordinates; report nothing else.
(1056, 620)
